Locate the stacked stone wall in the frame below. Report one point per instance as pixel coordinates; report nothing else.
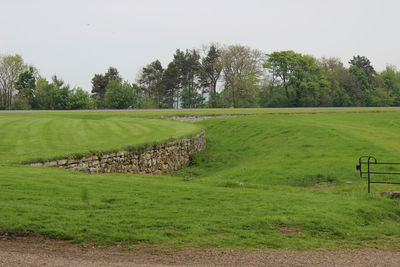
(157, 159)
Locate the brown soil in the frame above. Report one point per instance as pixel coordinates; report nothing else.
(391, 194)
(33, 250)
(290, 230)
(322, 186)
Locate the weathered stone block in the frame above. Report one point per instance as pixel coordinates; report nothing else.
(153, 160)
(37, 164)
(50, 164)
(62, 162)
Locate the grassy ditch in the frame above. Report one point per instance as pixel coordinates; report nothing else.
(262, 182)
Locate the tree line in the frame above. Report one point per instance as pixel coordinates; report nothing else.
(21, 87)
(212, 77)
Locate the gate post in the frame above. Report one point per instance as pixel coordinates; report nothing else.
(368, 178)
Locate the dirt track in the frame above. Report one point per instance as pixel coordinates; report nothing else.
(38, 251)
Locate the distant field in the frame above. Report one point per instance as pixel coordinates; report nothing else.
(263, 182)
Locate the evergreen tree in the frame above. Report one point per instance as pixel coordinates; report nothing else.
(151, 82)
(100, 82)
(170, 83)
(210, 72)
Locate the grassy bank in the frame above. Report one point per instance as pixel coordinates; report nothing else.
(263, 181)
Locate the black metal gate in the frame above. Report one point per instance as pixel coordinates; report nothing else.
(371, 160)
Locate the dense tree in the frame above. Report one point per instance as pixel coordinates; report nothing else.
(79, 99)
(58, 96)
(179, 84)
(61, 93)
(271, 94)
(193, 72)
(112, 74)
(360, 88)
(210, 72)
(45, 95)
(100, 82)
(281, 65)
(340, 82)
(26, 82)
(391, 81)
(170, 83)
(233, 76)
(151, 83)
(195, 98)
(25, 86)
(188, 66)
(242, 67)
(10, 69)
(364, 64)
(20, 103)
(301, 77)
(311, 86)
(120, 95)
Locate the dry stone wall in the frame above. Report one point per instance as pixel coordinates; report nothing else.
(157, 159)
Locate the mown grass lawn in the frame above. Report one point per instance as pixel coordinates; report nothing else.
(269, 181)
(26, 137)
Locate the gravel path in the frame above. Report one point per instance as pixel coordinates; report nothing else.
(39, 251)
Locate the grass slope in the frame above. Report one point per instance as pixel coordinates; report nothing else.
(264, 181)
(28, 137)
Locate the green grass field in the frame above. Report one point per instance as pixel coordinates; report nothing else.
(265, 181)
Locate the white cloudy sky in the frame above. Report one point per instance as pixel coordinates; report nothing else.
(76, 39)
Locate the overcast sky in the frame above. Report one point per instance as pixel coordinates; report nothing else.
(76, 39)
